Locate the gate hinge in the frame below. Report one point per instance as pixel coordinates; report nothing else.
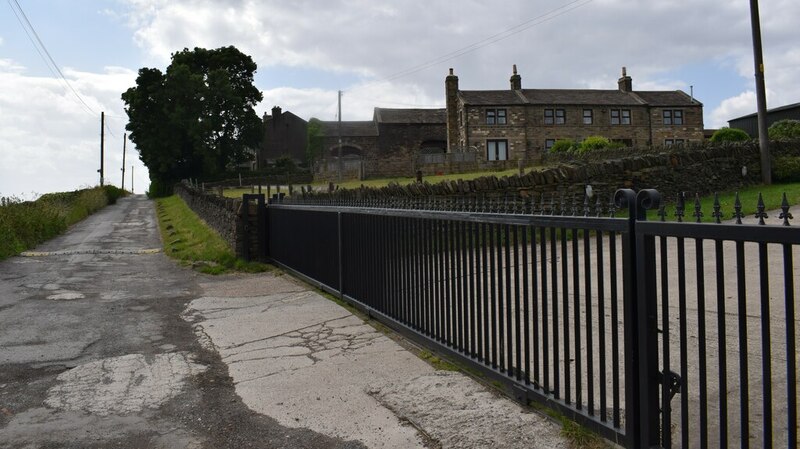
(673, 381)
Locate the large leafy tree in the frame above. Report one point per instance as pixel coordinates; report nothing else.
(197, 117)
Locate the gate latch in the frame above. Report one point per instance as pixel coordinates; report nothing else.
(673, 381)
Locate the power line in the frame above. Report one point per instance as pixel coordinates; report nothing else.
(497, 37)
(48, 60)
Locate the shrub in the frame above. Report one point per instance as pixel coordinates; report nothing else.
(563, 146)
(786, 169)
(593, 143)
(159, 188)
(729, 135)
(785, 130)
(113, 193)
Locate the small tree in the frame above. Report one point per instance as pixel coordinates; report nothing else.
(729, 135)
(785, 130)
(315, 141)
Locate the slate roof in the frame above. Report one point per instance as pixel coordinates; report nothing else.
(667, 98)
(350, 128)
(411, 116)
(575, 97)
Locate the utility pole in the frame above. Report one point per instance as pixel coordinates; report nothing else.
(124, 141)
(761, 95)
(340, 136)
(131, 178)
(102, 142)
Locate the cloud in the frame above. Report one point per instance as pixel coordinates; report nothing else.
(51, 140)
(1, 40)
(569, 48)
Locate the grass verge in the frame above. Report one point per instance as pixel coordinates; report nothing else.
(25, 224)
(190, 241)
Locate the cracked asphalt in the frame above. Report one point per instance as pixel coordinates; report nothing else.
(105, 342)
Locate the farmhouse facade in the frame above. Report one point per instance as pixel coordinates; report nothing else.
(522, 124)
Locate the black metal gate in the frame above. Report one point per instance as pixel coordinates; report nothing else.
(569, 306)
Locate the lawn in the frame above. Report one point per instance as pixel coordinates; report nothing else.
(772, 195)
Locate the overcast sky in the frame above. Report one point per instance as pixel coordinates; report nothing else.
(381, 53)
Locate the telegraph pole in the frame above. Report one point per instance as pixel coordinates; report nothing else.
(131, 178)
(340, 136)
(124, 141)
(102, 142)
(761, 95)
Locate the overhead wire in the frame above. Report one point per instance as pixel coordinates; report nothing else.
(489, 40)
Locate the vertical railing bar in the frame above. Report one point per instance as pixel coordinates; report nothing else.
(565, 314)
(554, 286)
(458, 297)
(744, 400)
(791, 345)
(525, 307)
(442, 296)
(415, 275)
(766, 347)
(509, 340)
(666, 396)
(576, 288)
(518, 270)
(544, 323)
(535, 305)
(493, 305)
(502, 281)
(464, 229)
(701, 343)
(485, 295)
(601, 325)
(451, 292)
(473, 279)
(587, 285)
(612, 250)
(683, 343)
(723, 345)
(407, 297)
(428, 276)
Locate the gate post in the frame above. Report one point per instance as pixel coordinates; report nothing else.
(647, 323)
(640, 331)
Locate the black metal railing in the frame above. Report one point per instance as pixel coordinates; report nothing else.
(571, 306)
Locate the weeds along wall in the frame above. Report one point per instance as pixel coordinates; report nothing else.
(221, 214)
(699, 169)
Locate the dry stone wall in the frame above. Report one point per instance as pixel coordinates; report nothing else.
(702, 169)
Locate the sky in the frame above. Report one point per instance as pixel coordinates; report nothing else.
(381, 53)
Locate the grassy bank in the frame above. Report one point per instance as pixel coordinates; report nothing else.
(25, 224)
(190, 241)
(772, 196)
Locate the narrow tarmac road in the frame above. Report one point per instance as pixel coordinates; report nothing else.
(94, 352)
(105, 342)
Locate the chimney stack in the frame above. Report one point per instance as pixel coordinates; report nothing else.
(625, 82)
(276, 111)
(516, 80)
(451, 102)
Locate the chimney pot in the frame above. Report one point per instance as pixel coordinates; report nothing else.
(515, 69)
(624, 72)
(451, 70)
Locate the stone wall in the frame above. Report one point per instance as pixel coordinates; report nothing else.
(221, 214)
(691, 169)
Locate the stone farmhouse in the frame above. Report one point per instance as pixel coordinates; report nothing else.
(285, 134)
(486, 129)
(522, 124)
